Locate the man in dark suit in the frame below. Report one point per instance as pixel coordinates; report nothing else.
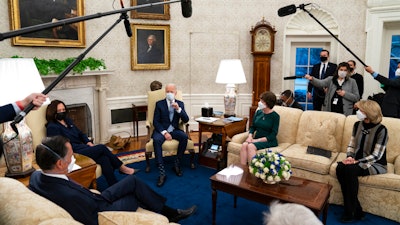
(152, 53)
(320, 71)
(288, 100)
(55, 157)
(9, 111)
(391, 101)
(167, 115)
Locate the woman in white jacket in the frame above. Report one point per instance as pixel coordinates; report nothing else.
(341, 90)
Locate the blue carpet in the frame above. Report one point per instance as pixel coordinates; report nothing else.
(194, 188)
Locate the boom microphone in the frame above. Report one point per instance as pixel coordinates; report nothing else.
(186, 6)
(290, 9)
(292, 77)
(124, 15)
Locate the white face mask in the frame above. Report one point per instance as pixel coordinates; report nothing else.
(170, 96)
(71, 164)
(361, 116)
(397, 73)
(342, 74)
(261, 105)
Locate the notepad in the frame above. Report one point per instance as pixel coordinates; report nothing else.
(319, 151)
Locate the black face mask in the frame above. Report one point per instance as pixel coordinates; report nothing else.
(351, 70)
(61, 115)
(323, 58)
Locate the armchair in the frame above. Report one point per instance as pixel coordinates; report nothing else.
(168, 146)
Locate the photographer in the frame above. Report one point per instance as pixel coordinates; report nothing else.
(287, 99)
(342, 91)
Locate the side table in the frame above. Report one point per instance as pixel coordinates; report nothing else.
(227, 130)
(136, 109)
(86, 175)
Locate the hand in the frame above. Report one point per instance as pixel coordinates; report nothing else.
(249, 140)
(175, 105)
(90, 144)
(308, 77)
(341, 92)
(369, 69)
(168, 136)
(349, 160)
(309, 95)
(37, 100)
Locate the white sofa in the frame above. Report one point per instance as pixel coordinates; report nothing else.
(378, 194)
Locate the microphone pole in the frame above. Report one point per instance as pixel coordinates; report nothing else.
(39, 27)
(302, 6)
(27, 109)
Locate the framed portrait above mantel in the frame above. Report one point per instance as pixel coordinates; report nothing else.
(150, 47)
(158, 12)
(26, 13)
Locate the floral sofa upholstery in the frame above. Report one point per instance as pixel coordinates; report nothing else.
(378, 194)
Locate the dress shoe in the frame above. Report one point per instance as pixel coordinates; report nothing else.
(183, 213)
(161, 180)
(178, 171)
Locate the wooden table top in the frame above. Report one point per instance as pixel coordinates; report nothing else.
(311, 194)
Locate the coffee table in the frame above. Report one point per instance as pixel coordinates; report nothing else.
(311, 194)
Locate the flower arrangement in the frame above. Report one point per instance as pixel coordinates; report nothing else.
(270, 166)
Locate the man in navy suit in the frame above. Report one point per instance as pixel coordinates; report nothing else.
(55, 157)
(9, 111)
(167, 114)
(320, 71)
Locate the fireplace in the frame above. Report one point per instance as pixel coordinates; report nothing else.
(82, 117)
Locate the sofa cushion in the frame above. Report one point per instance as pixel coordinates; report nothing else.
(297, 156)
(19, 205)
(289, 122)
(141, 216)
(388, 181)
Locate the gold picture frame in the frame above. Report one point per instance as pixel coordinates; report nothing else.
(25, 13)
(156, 57)
(158, 12)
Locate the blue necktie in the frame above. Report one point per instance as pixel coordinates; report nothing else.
(171, 117)
(323, 72)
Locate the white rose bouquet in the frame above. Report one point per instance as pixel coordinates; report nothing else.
(270, 166)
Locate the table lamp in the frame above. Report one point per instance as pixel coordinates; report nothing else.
(19, 77)
(230, 72)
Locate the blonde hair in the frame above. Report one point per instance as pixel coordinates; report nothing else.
(371, 109)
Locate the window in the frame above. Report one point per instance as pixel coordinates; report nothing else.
(306, 57)
(394, 55)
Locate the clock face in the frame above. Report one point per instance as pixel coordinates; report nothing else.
(262, 41)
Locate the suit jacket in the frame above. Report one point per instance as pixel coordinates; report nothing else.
(350, 97)
(161, 116)
(7, 113)
(329, 71)
(83, 205)
(392, 87)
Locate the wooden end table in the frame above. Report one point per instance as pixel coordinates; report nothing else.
(86, 175)
(227, 130)
(314, 195)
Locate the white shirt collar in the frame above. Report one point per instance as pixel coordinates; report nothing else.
(62, 176)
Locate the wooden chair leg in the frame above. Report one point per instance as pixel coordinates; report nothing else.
(148, 155)
(192, 165)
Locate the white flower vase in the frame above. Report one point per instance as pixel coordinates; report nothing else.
(18, 151)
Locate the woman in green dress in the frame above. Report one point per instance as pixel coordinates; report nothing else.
(263, 131)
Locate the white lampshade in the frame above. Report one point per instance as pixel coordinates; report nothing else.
(19, 77)
(230, 71)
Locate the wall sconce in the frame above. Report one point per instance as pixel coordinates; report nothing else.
(230, 72)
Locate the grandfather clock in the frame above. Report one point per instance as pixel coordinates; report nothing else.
(262, 48)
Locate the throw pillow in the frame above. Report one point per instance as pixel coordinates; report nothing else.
(321, 134)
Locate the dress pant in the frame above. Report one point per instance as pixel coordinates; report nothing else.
(348, 179)
(158, 140)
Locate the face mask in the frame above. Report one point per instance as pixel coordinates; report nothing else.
(323, 58)
(71, 164)
(261, 105)
(361, 116)
(170, 97)
(342, 74)
(61, 115)
(397, 72)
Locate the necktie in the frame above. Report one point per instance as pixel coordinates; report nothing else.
(322, 72)
(171, 117)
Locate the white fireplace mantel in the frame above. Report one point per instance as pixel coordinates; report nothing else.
(90, 88)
